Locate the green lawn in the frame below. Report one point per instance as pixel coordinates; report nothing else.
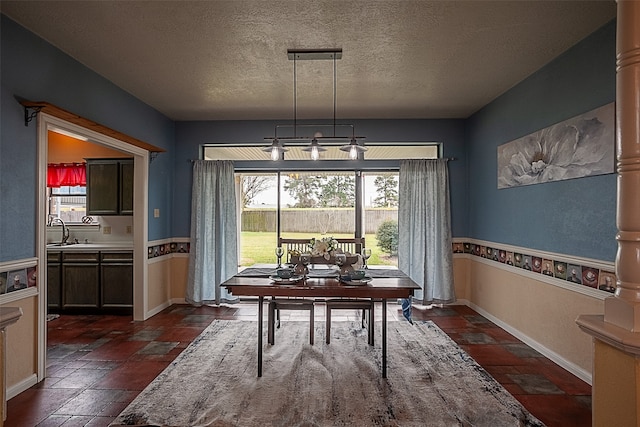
(259, 248)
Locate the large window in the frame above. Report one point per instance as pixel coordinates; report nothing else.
(317, 204)
(299, 198)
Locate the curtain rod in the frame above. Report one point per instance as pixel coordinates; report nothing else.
(445, 158)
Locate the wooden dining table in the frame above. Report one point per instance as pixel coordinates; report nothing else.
(379, 288)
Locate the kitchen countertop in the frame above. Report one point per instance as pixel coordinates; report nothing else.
(89, 247)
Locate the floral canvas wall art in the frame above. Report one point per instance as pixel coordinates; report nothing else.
(581, 146)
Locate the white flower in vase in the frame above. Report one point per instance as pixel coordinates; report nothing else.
(323, 247)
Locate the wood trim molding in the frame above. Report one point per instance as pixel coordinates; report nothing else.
(60, 113)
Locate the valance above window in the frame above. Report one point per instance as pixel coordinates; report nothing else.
(66, 174)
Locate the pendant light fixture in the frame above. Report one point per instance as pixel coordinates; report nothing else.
(315, 149)
(353, 147)
(276, 150)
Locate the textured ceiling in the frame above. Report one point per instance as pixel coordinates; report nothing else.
(227, 60)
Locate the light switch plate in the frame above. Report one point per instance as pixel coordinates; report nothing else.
(156, 213)
(106, 230)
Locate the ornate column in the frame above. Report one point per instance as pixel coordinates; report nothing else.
(616, 363)
(8, 316)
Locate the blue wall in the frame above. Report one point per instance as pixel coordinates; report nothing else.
(33, 69)
(574, 217)
(191, 135)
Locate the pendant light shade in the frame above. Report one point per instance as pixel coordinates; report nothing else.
(315, 149)
(354, 149)
(276, 149)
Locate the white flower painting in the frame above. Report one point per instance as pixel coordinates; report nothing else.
(578, 147)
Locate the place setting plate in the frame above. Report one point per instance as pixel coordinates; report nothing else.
(323, 273)
(355, 282)
(293, 279)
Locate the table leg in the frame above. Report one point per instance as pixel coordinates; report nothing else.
(384, 338)
(260, 314)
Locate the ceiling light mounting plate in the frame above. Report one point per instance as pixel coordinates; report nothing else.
(306, 54)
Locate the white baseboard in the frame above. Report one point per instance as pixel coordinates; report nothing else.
(549, 354)
(23, 385)
(158, 309)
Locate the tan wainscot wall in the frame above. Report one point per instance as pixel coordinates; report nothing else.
(461, 278)
(179, 276)
(22, 344)
(542, 312)
(159, 276)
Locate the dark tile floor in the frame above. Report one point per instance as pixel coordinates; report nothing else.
(98, 364)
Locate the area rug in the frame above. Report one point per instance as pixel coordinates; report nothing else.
(430, 381)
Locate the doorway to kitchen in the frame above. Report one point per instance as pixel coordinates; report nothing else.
(46, 124)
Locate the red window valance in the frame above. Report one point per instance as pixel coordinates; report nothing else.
(66, 174)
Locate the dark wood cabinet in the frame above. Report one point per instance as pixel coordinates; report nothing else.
(116, 276)
(80, 280)
(90, 282)
(126, 187)
(109, 187)
(54, 289)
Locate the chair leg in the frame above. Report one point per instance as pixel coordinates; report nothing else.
(311, 327)
(328, 328)
(270, 323)
(371, 324)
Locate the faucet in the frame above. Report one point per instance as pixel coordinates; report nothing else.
(65, 230)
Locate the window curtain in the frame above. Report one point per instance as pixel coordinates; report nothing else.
(424, 229)
(66, 174)
(213, 257)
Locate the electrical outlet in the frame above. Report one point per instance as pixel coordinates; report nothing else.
(156, 213)
(128, 229)
(106, 230)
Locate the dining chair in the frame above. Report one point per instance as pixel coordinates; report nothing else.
(367, 307)
(277, 304)
(353, 245)
(290, 245)
(273, 318)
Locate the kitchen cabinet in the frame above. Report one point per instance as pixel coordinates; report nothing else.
(116, 278)
(126, 187)
(90, 282)
(110, 186)
(80, 280)
(54, 271)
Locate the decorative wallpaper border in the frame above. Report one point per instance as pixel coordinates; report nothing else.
(575, 273)
(168, 249)
(18, 279)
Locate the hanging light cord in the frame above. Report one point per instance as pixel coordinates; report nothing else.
(334, 95)
(295, 97)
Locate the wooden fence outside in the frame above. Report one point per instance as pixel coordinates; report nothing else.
(326, 221)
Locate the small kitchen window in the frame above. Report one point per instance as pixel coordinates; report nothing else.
(66, 192)
(67, 203)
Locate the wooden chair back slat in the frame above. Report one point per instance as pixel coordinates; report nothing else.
(347, 244)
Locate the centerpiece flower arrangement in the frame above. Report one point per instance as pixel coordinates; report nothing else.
(324, 247)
